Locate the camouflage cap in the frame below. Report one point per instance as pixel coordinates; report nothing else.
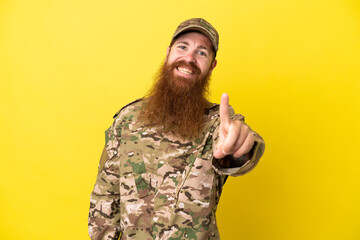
(200, 25)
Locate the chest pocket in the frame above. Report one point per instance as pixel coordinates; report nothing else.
(133, 172)
(139, 174)
(133, 177)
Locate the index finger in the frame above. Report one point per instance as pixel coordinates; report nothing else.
(224, 109)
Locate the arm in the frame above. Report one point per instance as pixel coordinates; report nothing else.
(237, 149)
(104, 213)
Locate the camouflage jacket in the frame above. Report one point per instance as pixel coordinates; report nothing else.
(152, 185)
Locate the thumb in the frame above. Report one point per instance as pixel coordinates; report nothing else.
(218, 152)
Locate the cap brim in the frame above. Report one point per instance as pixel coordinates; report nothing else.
(199, 29)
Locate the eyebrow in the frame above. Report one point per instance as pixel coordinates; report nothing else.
(199, 47)
(183, 42)
(203, 47)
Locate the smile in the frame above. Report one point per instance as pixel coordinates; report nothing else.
(185, 70)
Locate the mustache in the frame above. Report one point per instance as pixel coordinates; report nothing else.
(182, 63)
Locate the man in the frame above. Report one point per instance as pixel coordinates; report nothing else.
(167, 156)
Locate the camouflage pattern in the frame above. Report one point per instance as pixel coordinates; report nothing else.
(201, 25)
(152, 185)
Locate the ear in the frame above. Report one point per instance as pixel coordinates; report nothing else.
(213, 65)
(167, 53)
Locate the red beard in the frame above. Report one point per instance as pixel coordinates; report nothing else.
(176, 104)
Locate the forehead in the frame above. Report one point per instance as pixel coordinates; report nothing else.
(195, 38)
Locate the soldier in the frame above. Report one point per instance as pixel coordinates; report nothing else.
(168, 155)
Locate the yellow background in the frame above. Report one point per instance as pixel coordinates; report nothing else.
(291, 67)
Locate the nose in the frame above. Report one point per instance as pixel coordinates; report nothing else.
(190, 56)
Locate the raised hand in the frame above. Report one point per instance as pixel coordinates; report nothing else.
(235, 137)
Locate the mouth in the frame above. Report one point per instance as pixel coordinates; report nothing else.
(185, 70)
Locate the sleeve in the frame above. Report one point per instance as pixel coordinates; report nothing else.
(230, 165)
(104, 213)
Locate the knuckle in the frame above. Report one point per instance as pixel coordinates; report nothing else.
(246, 128)
(236, 126)
(238, 123)
(228, 149)
(238, 154)
(251, 137)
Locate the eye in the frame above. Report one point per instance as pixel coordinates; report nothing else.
(202, 53)
(182, 47)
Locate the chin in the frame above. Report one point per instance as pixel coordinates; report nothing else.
(182, 82)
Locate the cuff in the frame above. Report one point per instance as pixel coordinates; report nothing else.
(242, 165)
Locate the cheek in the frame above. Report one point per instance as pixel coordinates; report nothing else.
(205, 68)
(171, 59)
(173, 54)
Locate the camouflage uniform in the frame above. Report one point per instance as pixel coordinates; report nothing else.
(152, 185)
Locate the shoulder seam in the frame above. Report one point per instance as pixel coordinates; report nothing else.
(118, 112)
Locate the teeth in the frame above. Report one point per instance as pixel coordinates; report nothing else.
(185, 70)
